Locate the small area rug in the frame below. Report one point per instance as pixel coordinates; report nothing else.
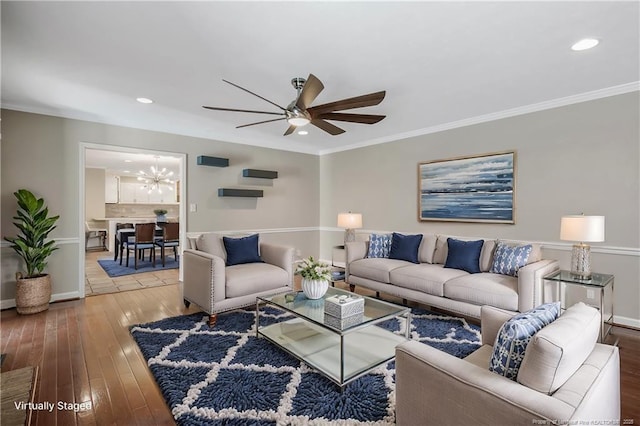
(226, 376)
(17, 392)
(114, 269)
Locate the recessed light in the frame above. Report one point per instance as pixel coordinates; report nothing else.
(303, 132)
(128, 161)
(126, 171)
(585, 43)
(144, 100)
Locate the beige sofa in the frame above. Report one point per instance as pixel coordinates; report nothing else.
(215, 287)
(565, 378)
(452, 289)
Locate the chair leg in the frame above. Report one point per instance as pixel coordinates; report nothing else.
(127, 257)
(213, 318)
(352, 287)
(162, 255)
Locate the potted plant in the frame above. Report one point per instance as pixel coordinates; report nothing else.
(33, 289)
(160, 215)
(315, 277)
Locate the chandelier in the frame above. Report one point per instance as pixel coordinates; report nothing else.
(153, 181)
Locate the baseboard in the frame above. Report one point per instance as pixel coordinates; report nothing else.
(58, 297)
(626, 322)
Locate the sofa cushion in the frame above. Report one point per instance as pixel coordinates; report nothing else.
(377, 269)
(379, 245)
(211, 243)
(424, 277)
(484, 288)
(405, 247)
(251, 278)
(464, 255)
(241, 250)
(486, 255)
(515, 335)
(536, 249)
(557, 351)
(427, 248)
(508, 259)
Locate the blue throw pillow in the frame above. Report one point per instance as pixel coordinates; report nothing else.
(379, 245)
(242, 250)
(515, 335)
(405, 247)
(464, 255)
(508, 259)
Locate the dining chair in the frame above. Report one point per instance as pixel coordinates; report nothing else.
(117, 248)
(143, 239)
(91, 231)
(170, 238)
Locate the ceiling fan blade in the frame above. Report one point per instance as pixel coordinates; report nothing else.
(349, 103)
(352, 118)
(327, 127)
(241, 110)
(254, 94)
(260, 122)
(290, 130)
(310, 91)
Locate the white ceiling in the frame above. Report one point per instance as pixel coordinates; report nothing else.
(129, 163)
(441, 63)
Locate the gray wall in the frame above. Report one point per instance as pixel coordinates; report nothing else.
(41, 153)
(579, 158)
(94, 193)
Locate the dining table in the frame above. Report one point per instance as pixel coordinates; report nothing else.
(124, 234)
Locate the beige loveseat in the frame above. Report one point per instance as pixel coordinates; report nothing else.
(565, 378)
(215, 287)
(454, 290)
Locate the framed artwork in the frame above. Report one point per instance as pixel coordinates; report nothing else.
(468, 189)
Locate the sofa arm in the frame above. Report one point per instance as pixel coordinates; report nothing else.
(491, 319)
(433, 387)
(280, 256)
(531, 289)
(204, 278)
(354, 250)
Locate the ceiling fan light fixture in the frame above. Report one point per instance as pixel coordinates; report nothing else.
(298, 121)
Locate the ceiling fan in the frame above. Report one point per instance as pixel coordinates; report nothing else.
(299, 112)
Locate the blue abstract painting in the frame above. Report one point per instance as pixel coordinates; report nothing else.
(470, 189)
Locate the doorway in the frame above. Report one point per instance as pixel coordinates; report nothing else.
(125, 185)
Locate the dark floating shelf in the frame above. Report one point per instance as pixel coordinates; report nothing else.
(204, 160)
(231, 192)
(264, 174)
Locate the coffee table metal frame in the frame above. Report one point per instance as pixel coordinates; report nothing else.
(341, 355)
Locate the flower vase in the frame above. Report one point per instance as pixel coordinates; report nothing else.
(314, 289)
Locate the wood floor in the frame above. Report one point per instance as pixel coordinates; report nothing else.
(86, 355)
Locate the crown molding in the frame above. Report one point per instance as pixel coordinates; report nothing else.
(513, 112)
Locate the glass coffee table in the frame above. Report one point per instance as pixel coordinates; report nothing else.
(341, 352)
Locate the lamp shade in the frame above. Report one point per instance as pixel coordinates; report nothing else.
(350, 220)
(582, 228)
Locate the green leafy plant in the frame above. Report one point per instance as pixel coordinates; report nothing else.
(312, 269)
(160, 212)
(34, 223)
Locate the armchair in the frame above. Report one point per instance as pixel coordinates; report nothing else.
(215, 287)
(565, 378)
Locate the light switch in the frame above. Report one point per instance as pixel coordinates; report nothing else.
(193, 207)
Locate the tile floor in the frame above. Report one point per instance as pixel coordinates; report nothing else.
(98, 282)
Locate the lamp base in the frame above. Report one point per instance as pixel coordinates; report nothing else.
(581, 261)
(349, 235)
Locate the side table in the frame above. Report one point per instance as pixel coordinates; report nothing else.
(596, 291)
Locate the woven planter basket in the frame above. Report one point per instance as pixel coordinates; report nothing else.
(33, 294)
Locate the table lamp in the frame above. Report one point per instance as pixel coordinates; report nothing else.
(582, 229)
(350, 222)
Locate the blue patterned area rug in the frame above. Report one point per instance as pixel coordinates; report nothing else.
(226, 376)
(114, 269)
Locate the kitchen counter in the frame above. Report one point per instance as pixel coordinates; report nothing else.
(112, 221)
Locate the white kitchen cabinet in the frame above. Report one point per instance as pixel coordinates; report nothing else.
(111, 183)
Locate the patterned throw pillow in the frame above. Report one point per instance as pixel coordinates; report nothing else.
(379, 245)
(508, 259)
(515, 335)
